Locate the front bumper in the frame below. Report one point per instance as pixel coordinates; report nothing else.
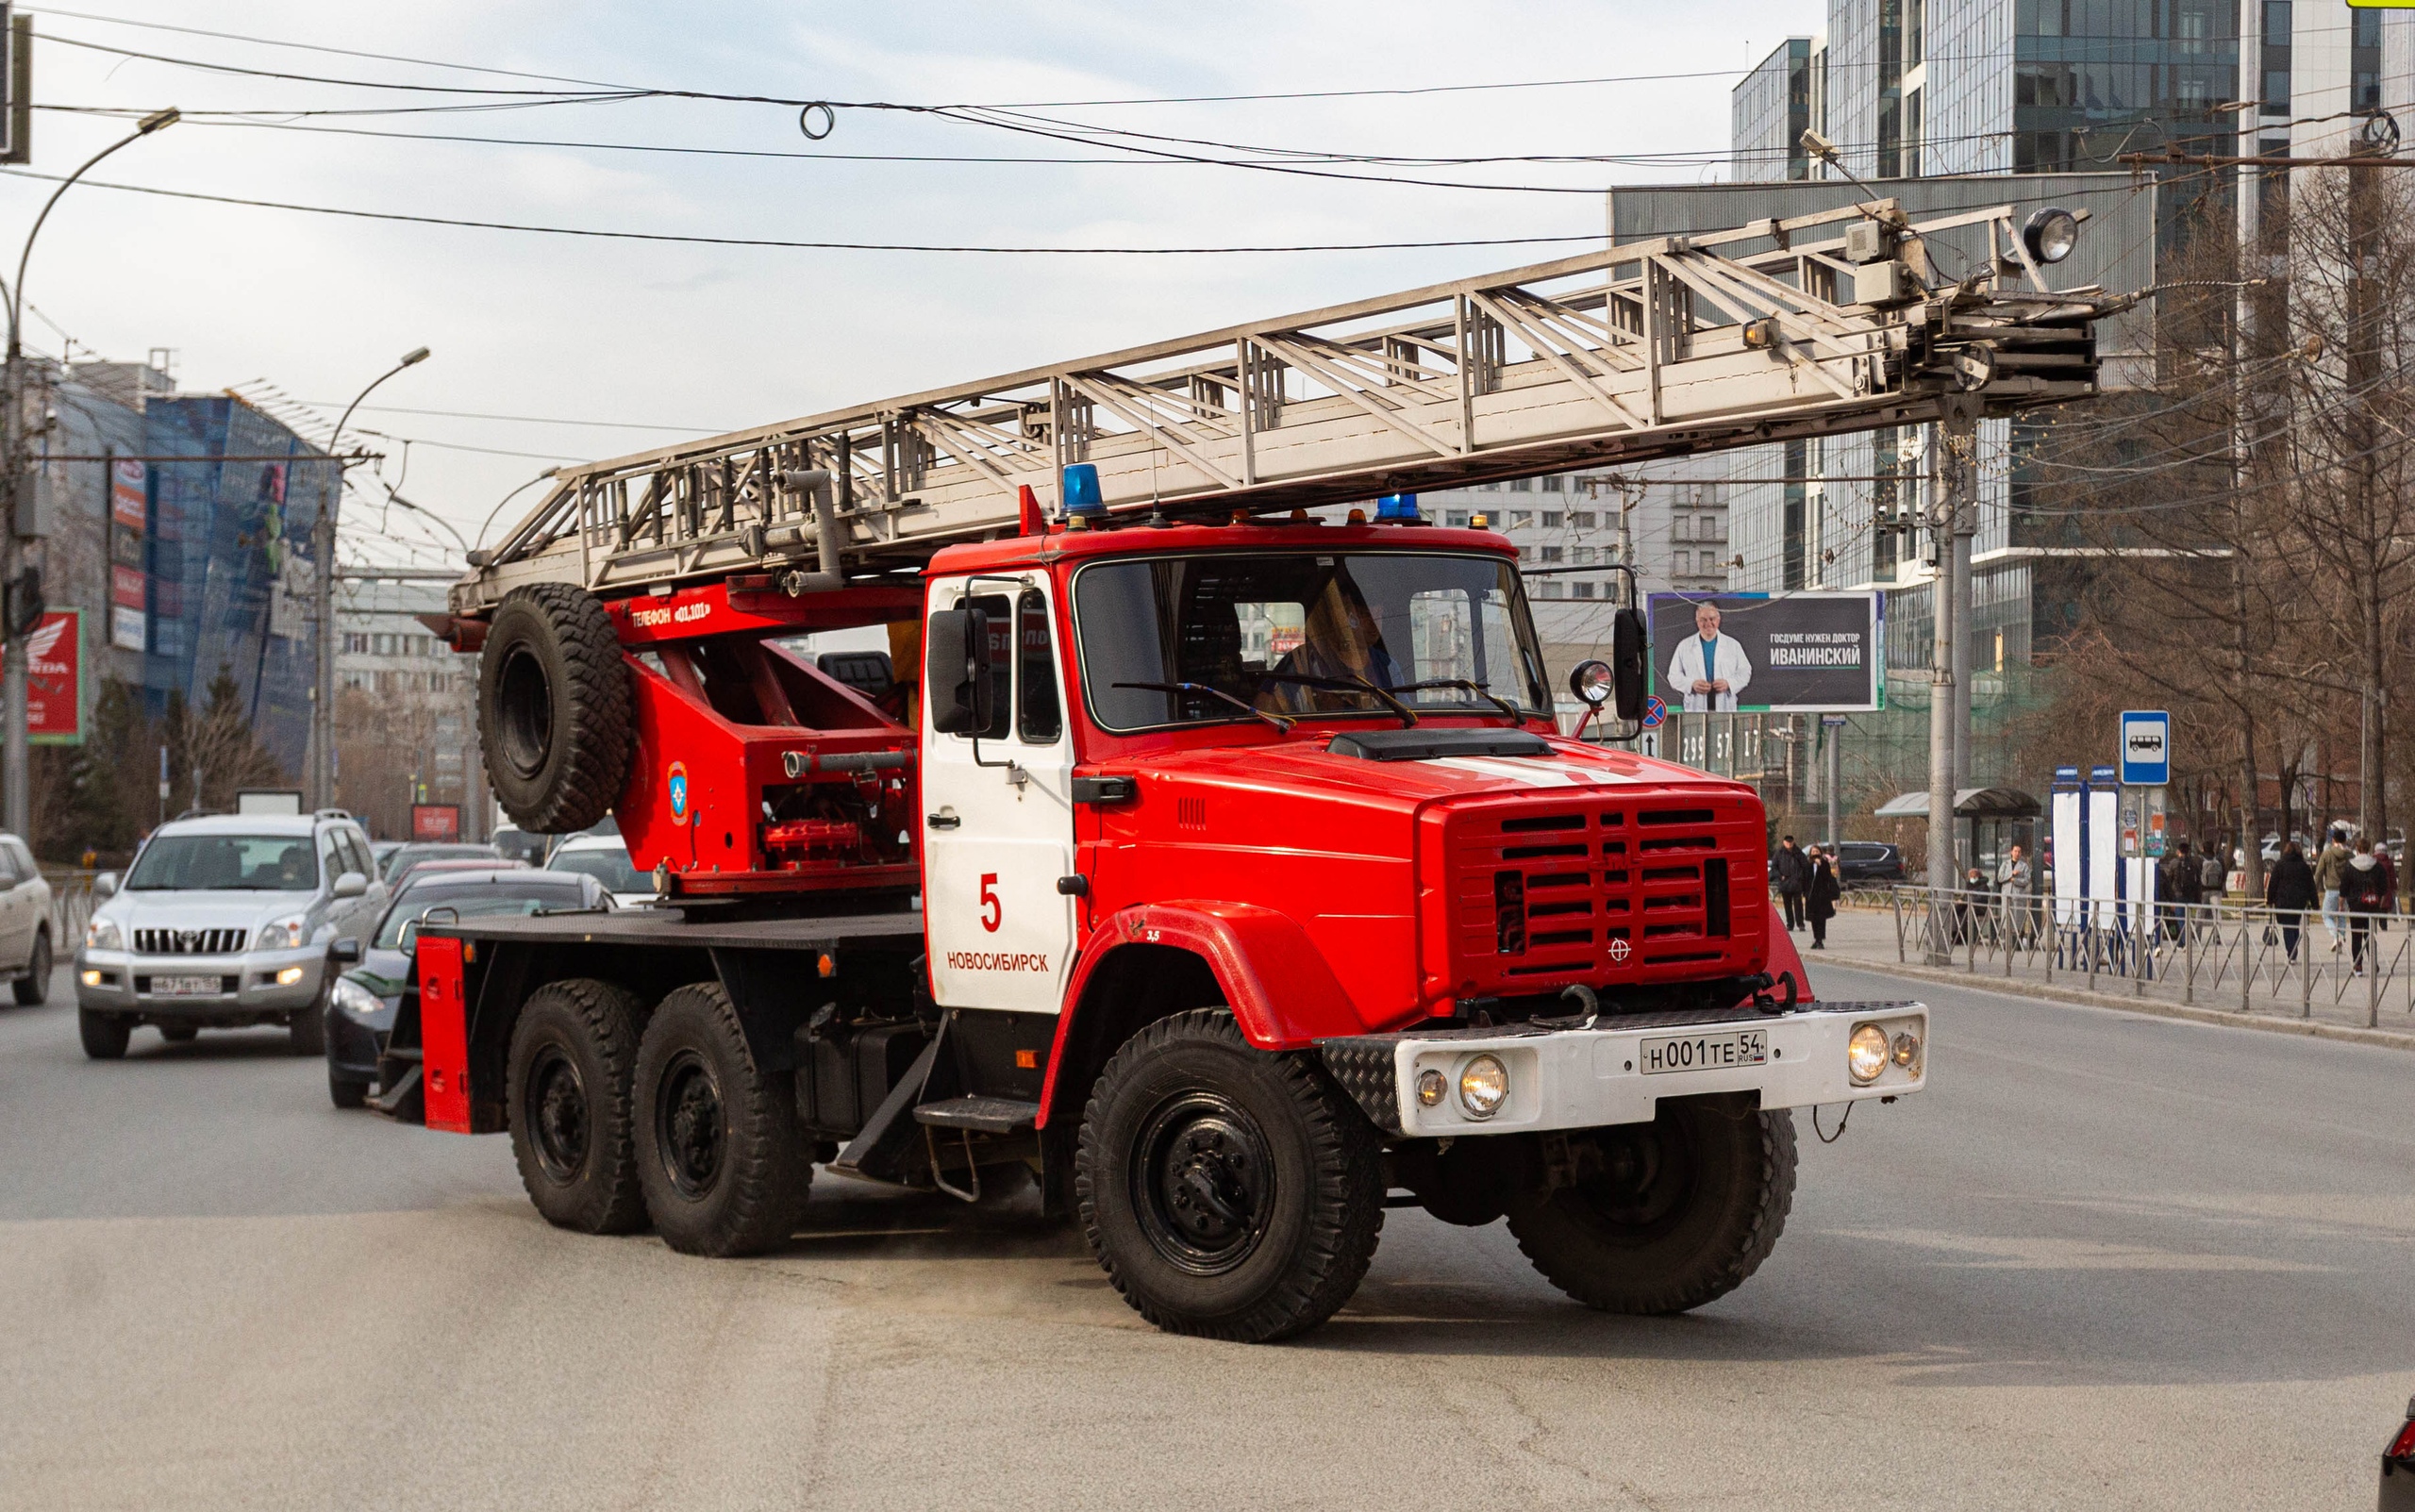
(1576, 1078)
(249, 991)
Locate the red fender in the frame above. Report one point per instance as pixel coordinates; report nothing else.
(1283, 993)
(1784, 957)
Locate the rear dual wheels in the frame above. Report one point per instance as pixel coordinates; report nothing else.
(1228, 1193)
(574, 1131)
(1666, 1216)
(722, 1167)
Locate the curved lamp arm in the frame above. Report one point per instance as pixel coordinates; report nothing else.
(157, 121)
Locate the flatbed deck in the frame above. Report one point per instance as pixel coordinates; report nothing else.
(671, 926)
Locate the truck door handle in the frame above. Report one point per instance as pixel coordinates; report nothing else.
(942, 821)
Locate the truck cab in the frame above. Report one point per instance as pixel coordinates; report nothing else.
(1233, 881)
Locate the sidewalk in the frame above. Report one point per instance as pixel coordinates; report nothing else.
(1866, 937)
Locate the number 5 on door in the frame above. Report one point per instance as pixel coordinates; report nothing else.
(993, 912)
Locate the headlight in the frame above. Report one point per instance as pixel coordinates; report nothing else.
(1907, 1051)
(2051, 233)
(356, 1000)
(1867, 1053)
(285, 934)
(104, 934)
(1484, 1085)
(1430, 1088)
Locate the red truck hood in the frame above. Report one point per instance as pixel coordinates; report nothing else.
(1306, 763)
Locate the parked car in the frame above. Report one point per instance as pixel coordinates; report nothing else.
(360, 1010)
(604, 857)
(223, 922)
(1868, 861)
(517, 844)
(420, 852)
(383, 851)
(25, 945)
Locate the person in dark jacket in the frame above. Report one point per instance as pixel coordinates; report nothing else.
(1792, 871)
(2364, 893)
(2289, 891)
(1822, 895)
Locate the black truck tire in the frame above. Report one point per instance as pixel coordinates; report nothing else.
(1228, 1192)
(569, 1087)
(555, 722)
(104, 1033)
(725, 1166)
(1675, 1213)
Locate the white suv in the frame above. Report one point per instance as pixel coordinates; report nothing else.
(223, 922)
(26, 944)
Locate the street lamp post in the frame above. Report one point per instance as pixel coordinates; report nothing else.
(323, 697)
(16, 786)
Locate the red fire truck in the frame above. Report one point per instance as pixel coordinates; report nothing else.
(1217, 864)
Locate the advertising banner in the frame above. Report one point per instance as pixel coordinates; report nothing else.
(55, 679)
(1810, 653)
(128, 492)
(436, 821)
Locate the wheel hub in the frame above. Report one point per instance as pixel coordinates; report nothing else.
(1204, 1183)
(557, 1116)
(525, 711)
(688, 1125)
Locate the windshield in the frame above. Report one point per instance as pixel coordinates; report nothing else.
(225, 863)
(1276, 631)
(608, 864)
(472, 903)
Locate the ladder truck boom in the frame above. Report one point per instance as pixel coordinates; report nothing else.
(1815, 325)
(1226, 871)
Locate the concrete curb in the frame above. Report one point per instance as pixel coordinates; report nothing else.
(2019, 986)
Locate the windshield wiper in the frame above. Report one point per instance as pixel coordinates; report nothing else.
(1350, 682)
(1465, 686)
(1280, 722)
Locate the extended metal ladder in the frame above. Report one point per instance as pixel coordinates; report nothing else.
(1652, 349)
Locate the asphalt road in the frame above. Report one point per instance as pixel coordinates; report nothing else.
(2105, 1262)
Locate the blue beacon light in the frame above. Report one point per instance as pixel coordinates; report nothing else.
(1397, 507)
(1083, 499)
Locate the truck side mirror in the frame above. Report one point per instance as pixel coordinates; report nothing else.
(1630, 663)
(953, 644)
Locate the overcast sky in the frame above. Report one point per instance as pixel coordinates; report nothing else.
(661, 335)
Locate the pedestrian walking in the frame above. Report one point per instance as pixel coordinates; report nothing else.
(2361, 892)
(2332, 862)
(2013, 877)
(1822, 895)
(2289, 891)
(1792, 873)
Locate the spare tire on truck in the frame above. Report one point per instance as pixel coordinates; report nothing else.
(554, 709)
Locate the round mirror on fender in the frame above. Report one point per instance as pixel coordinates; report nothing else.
(1590, 681)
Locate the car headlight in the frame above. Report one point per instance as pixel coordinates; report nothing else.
(285, 934)
(1484, 1085)
(356, 1000)
(104, 934)
(1867, 1053)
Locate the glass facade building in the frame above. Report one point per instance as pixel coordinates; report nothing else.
(1770, 110)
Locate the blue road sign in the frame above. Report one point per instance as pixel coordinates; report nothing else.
(1656, 713)
(2146, 747)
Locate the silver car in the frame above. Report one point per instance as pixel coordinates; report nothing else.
(224, 922)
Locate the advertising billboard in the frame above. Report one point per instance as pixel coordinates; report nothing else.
(1809, 653)
(55, 679)
(436, 821)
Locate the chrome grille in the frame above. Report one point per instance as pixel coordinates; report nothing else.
(188, 941)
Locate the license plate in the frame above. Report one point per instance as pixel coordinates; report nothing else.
(1704, 1052)
(183, 987)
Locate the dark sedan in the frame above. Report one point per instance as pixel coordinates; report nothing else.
(1868, 861)
(361, 1008)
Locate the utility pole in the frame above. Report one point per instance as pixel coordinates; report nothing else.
(23, 600)
(1966, 529)
(322, 537)
(1956, 501)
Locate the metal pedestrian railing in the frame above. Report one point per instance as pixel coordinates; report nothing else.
(71, 905)
(2221, 954)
